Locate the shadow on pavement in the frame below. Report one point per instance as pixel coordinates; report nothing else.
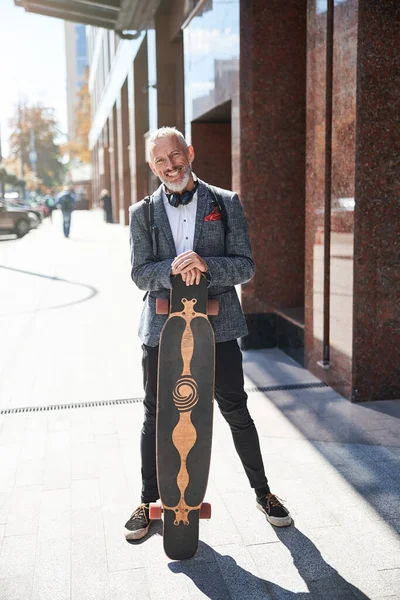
(219, 573)
(93, 291)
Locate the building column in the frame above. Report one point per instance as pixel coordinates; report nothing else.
(123, 154)
(106, 158)
(170, 77)
(272, 149)
(113, 130)
(141, 116)
(376, 332)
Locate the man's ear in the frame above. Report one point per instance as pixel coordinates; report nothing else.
(191, 153)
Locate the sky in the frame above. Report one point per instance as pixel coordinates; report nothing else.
(32, 64)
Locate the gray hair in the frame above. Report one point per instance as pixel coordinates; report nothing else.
(164, 132)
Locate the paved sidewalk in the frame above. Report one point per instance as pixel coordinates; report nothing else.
(69, 477)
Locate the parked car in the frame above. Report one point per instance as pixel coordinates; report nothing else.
(16, 220)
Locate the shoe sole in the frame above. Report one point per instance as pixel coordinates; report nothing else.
(276, 521)
(138, 534)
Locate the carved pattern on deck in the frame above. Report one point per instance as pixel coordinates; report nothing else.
(185, 397)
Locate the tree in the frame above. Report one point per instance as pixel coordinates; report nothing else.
(78, 148)
(35, 130)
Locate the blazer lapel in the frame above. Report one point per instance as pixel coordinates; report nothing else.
(160, 216)
(202, 204)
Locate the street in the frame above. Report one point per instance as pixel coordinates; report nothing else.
(70, 360)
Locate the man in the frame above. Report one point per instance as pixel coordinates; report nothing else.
(195, 237)
(66, 201)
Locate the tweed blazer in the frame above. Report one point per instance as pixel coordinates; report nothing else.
(227, 254)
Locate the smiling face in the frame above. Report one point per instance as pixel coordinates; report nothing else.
(171, 161)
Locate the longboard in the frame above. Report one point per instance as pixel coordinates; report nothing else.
(184, 417)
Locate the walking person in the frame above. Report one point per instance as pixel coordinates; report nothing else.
(106, 204)
(50, 202)
(66, 201)
(197, 235)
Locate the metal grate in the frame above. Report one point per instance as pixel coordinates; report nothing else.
(51, 407)
(289, 386)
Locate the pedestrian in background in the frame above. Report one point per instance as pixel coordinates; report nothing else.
(66, 201)
(50, 202)
(106, 204)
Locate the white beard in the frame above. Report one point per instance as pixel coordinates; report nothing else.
(179, 185)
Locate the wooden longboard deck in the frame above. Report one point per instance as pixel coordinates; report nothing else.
(184, 415)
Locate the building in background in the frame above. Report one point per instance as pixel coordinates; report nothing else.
(77, 60)
(294, 105)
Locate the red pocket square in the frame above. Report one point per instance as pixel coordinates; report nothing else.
(215, 215)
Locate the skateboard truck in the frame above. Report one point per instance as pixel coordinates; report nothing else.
(156, 511)
(162, 306)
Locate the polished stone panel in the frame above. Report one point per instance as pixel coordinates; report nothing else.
(342, 198)
(376, 356)
(212, 143)
(272, 96)
(340, 273)
(315, 182)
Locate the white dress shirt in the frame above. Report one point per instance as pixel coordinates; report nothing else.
(182, 220)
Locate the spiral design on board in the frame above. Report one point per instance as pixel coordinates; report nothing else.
(185, 394)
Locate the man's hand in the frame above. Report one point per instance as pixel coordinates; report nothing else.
(192, 277)
(187, 261)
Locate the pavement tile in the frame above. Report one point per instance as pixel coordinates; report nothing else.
(240, 573)
(128, 585)
(52, 577)
(335, 588)
(23, 515)
(351, 554)
(17, 587)
(17, 556)
(2, 532)
(220, 529)
(276, 567)
(30, 472)
(120, 554)
(57, 470)
(249, 521)
(34, 445)
(87, 522)
(55, 515)
(84, 461)
(5, 502)
(391, 578)
(85, 493)
(201, 580)
(88, 569)
(8, 465)
(114, 488)
(269, 367)
(81, 430)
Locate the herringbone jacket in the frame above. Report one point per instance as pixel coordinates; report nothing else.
(227, 252)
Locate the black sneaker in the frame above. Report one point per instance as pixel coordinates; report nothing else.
(138, 524)
(276, 513)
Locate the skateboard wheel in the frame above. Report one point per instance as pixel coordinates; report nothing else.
(162, 306)
(212, 307)
(155, 512)
(205, 511)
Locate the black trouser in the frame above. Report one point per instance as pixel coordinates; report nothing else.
(232, 401)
